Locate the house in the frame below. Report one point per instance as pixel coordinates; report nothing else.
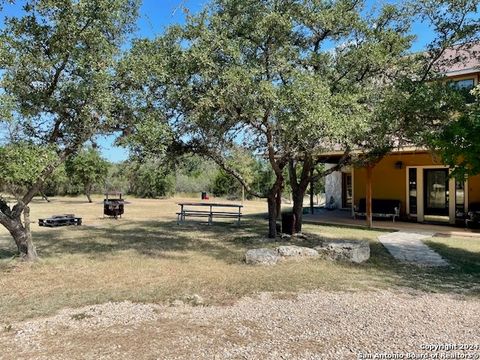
(415, 176)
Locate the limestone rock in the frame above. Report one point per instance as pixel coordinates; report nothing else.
(348, 250)
(261, 256)
(265, 256)
(296, 251)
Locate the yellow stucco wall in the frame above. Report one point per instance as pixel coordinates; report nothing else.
(389, 182)
(474, 189)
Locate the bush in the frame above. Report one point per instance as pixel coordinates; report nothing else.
(195, 174)
(226, 185)
(151, 180)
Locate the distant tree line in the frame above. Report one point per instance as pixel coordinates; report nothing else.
(87, 173)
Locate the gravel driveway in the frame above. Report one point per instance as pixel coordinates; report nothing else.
(317, 325)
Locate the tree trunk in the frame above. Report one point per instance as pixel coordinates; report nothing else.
(274, 206)
(278, 203)
(272, 216)
(298, 208)
(299, 188)
(31, 251)
(22, 236)
(88, 191)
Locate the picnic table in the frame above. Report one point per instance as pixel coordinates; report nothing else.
(60, 220)
(209, 210)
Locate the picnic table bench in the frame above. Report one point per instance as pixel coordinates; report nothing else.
(209, 211)
(60, 220)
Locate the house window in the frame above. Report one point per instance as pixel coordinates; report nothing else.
(412, 190)
(459, 199)
(464, 86)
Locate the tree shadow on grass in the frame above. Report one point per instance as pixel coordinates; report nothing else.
(78, 200)
(222, 241)
(226, 242)
(468, 262)
(7, 254)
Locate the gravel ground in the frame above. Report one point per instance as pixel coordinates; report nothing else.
(317, 325)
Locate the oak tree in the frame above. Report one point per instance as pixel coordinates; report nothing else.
(56, 84)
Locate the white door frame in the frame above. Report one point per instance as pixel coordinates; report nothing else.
(420, 196)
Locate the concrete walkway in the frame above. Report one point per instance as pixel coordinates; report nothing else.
(408, 247)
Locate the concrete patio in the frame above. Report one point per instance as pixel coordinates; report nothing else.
(344, 218)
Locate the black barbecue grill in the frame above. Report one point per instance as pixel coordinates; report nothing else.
(113, 205)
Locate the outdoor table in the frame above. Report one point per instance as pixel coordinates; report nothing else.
(209, 210)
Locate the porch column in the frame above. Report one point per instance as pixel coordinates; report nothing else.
(368, 198)
(466, 195)
(353, 192)
(451, 200)
(312, 184)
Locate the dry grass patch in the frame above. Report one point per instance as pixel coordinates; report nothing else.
(146, 257)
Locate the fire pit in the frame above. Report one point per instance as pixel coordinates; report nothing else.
(113, 205)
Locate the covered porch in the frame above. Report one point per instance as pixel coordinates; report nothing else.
(412, 178)
(341, 217)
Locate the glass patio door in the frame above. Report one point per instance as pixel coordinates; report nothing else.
(436, 191)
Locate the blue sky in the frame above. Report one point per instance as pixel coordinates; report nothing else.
(156, 15)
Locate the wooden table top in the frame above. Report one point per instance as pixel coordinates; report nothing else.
(209, 204)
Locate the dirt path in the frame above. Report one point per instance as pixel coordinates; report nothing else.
(319, 325)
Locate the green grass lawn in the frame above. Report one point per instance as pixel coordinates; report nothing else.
(146, 257)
